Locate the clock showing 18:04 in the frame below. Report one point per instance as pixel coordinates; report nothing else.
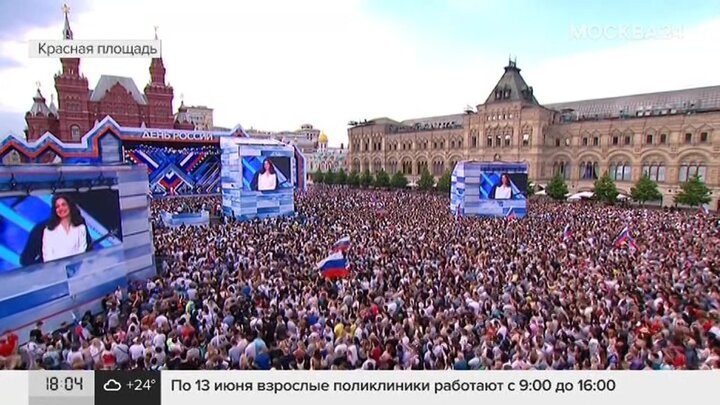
(66, 384)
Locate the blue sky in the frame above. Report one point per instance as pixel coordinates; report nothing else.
(277, 64)
(534, 29)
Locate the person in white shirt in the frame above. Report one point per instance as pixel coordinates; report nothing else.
(503, 191)
(267, 179)
(65, 233)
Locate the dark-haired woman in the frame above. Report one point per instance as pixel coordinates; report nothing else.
(65, 233)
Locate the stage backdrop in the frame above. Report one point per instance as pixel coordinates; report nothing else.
(258, 178)
(493, 189)
(119, 243)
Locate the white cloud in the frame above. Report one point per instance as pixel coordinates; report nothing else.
(278, 64)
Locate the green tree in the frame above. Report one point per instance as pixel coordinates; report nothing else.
(329, 177)
(366, 180)
(645, 190)
(530, 189)
(353, 179)
(399, 180)
(605, 189)
(445, 182)
(341, 178)
(382, 179)
(556, 188)
(319, 177)
(426, 181)
(694, 193)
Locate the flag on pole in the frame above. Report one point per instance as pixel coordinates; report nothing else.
(334, 266)
(342, 245)
(512, 217)
(624, 238)
(567, 232)
(704, 209)
(458, 214)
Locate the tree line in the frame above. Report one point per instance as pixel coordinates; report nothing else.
(382, 180)
(692, 193)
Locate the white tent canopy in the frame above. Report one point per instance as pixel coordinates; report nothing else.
(581, 195)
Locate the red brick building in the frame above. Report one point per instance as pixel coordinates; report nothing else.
(80, 108)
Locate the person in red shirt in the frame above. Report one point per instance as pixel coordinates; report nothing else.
(8, 349)
(8, 344)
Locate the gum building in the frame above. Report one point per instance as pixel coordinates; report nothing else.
(670, 136)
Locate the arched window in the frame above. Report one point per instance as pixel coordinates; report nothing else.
(421, 166)
(561, 168)
(620, 171)
(690, 170)
(392, 167)
(655, 171)
(377, 166)
(438, 167)
(407, 167)
(589, 170)
(75, 133)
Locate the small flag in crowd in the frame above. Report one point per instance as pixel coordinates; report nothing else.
(704, 209)
(458, 215)
(334, 266)
(512, 217)
(567, 232)
(342, 245)
(623, 238)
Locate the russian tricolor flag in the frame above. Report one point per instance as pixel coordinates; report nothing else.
(342, 245)
(334, 266)
(567, 232)
(623, 238)
(704, 209)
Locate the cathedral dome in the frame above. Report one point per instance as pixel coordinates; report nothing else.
(322, 138)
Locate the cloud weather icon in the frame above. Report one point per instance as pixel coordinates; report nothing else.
(112, 386)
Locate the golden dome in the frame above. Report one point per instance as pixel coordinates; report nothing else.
(322, 138)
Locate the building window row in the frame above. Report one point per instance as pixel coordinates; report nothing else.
(565, 141)
(499, 117)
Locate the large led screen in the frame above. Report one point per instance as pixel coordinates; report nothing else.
(266, 173)
(43, 228)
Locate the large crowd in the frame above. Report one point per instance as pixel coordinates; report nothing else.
(426, 291)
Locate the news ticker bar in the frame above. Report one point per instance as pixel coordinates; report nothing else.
(96, 49)
(380, 387)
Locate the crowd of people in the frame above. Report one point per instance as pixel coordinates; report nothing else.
(426, 291)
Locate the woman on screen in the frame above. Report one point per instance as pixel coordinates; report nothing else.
(503, 191)
(65, 233)
(267, 179)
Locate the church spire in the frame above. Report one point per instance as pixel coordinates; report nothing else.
(67, 32)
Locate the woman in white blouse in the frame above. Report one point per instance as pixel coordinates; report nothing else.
(65, 233)
(503, 191)
(267, 179)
